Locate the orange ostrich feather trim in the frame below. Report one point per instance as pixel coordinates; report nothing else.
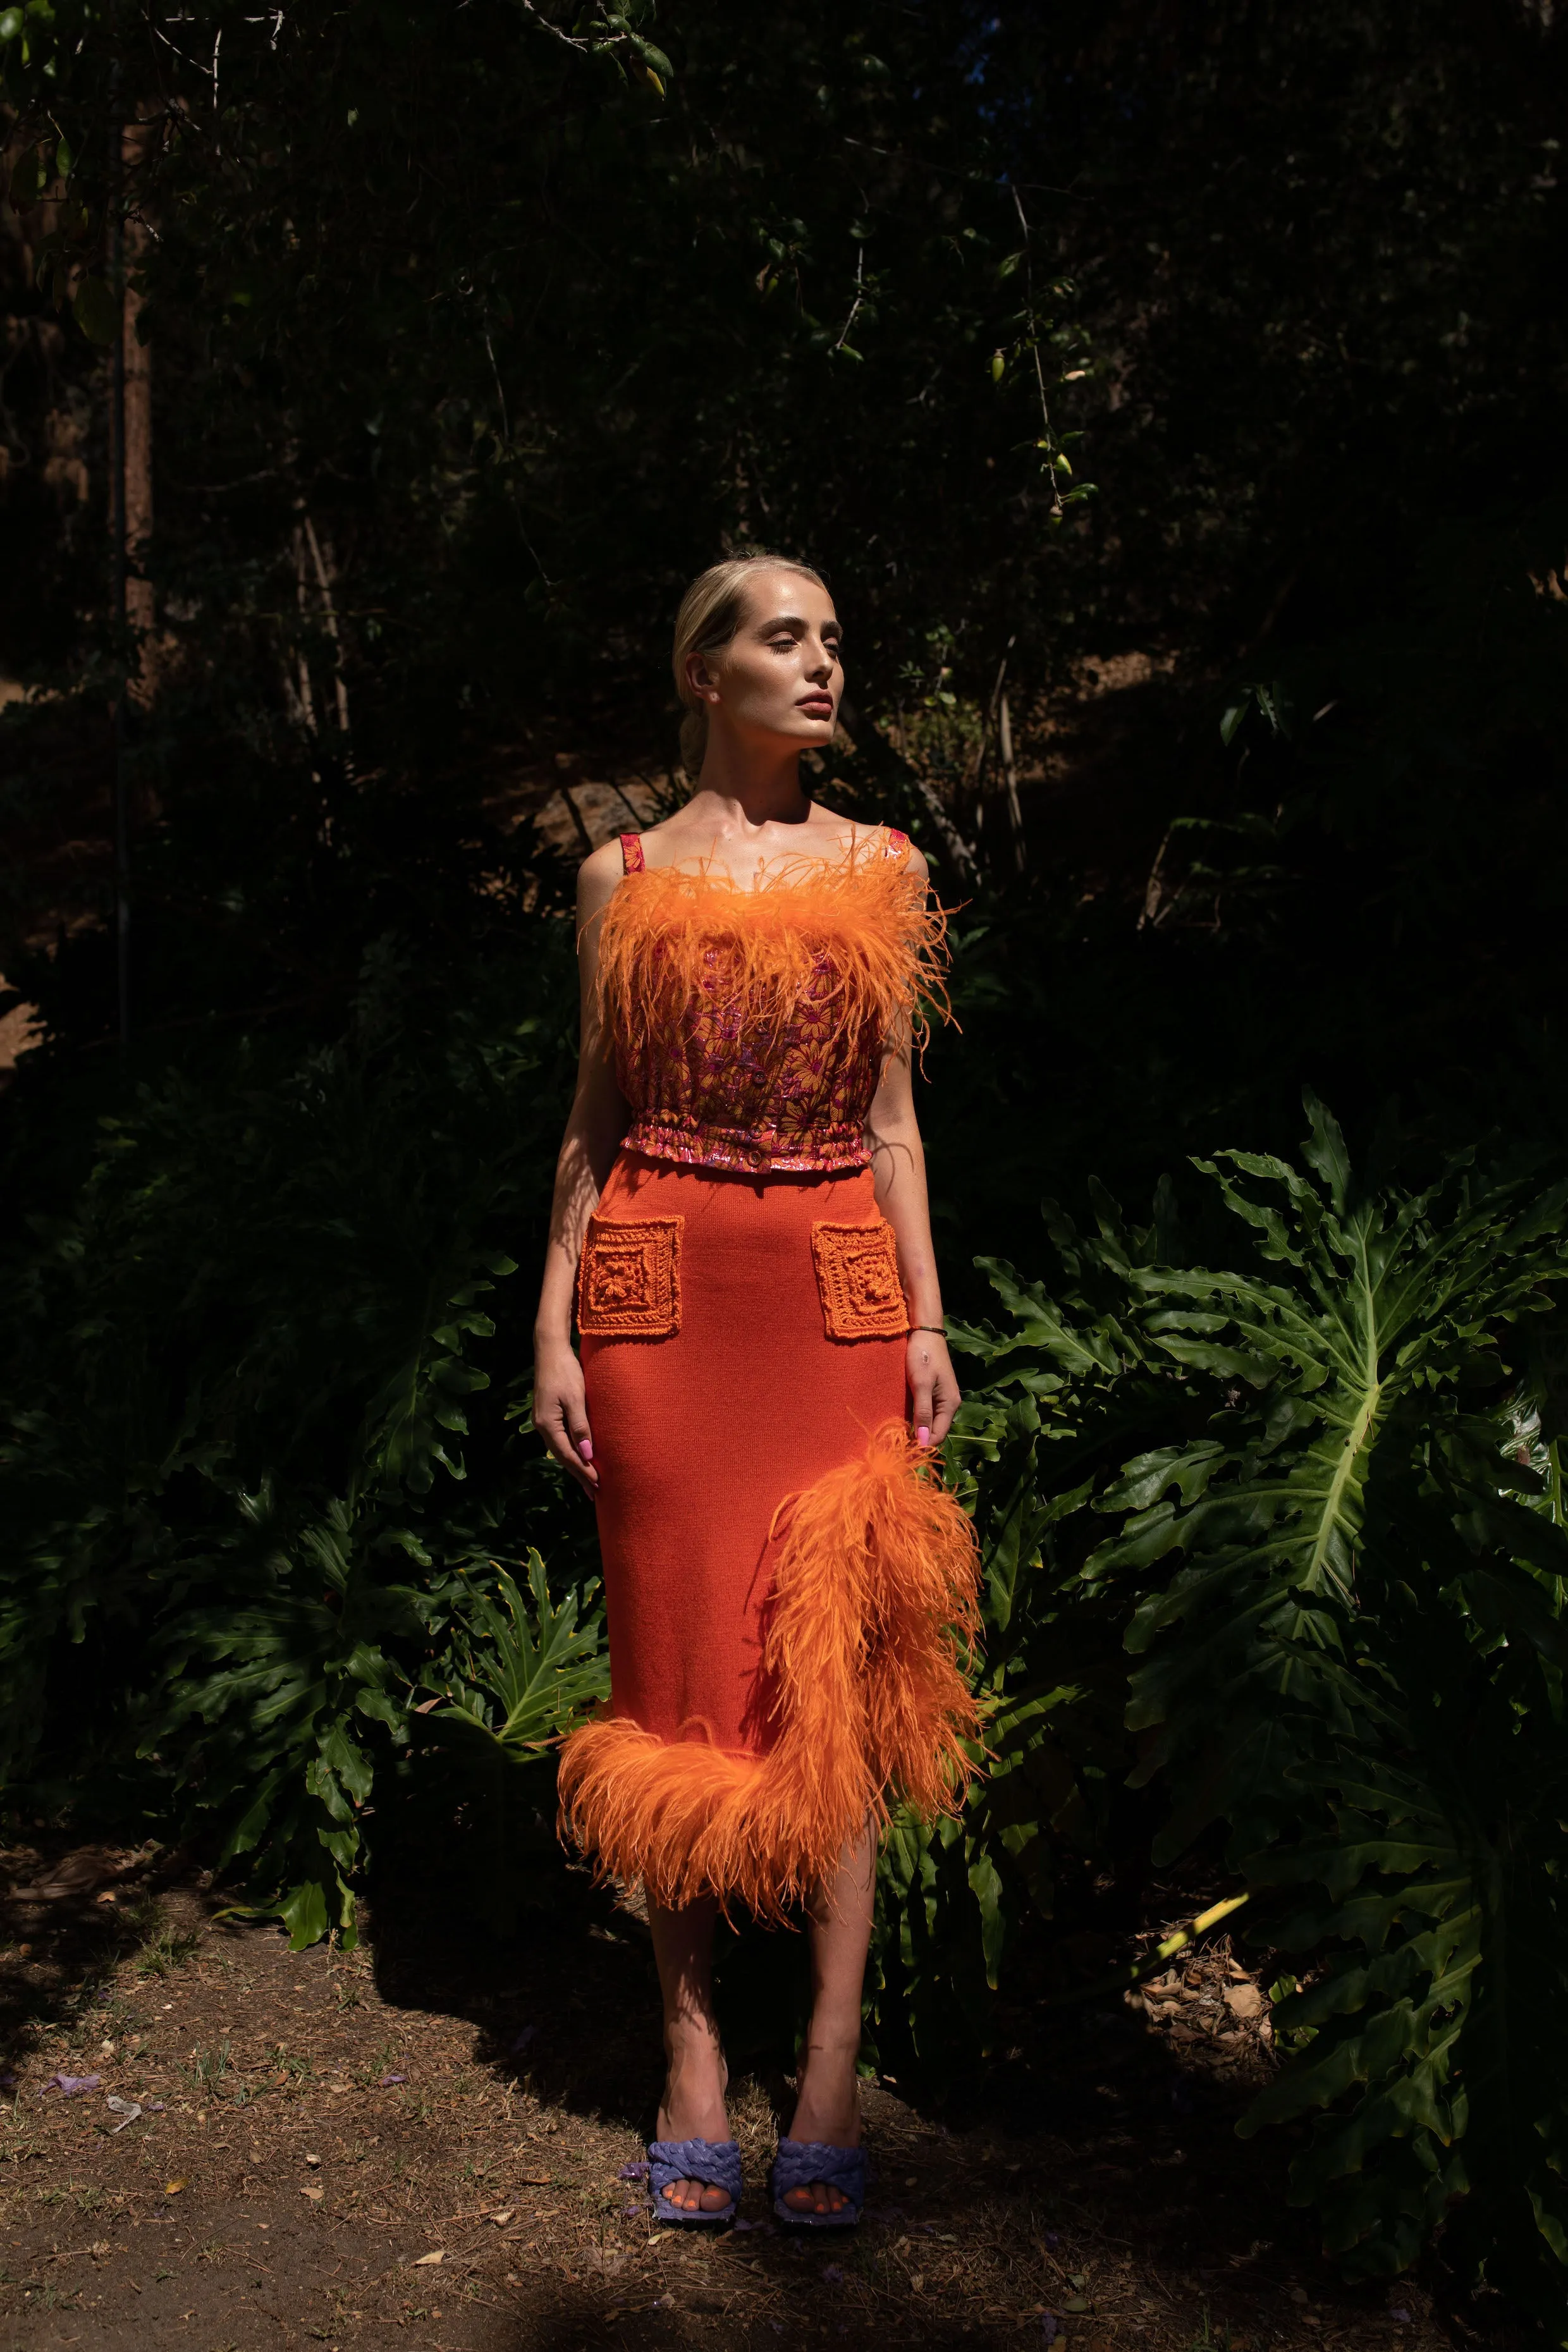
(873, 1607)
(861, 934)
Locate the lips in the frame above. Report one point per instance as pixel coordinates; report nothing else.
(815, 706)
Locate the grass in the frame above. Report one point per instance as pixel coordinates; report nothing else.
(209, 2067)
(1206, 2340)
(160, 1947)
(166, 1951)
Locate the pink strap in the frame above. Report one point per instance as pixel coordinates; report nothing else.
(897, 842)
(632, 860)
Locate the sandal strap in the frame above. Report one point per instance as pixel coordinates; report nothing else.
(715, 2162)
(800, 2162)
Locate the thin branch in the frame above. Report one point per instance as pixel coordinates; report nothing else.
(1034, 352)
(972, 782)
(1010, 775)
(195, 63)
(500, 389)
(323, 582)
(220, 489)
(583, 836)
(859, 294)
(510, 485)
(578, 48)
(958, 849)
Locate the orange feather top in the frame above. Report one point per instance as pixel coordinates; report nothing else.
(749, 1025)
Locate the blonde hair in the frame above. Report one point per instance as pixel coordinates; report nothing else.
(710, 612)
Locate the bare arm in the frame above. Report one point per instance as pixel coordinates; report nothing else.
(897, 1161)
(599, 1118)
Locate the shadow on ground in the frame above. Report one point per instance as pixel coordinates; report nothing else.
(432, 2141)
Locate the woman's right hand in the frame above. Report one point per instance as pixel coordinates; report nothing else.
(561, 1410)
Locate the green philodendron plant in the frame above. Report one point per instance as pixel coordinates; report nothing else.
(1357, 1664)
(1339, 1564)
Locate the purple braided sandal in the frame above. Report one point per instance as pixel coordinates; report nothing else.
(715, 2162)
(801, 2162)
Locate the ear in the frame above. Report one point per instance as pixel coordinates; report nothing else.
(700, 678)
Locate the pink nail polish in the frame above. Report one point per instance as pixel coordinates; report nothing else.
(585, 1448)
(922, 1437)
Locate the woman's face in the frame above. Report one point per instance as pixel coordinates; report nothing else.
(780, 673)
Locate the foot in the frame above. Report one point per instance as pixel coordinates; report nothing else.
(827, 2108)
(693, 2108)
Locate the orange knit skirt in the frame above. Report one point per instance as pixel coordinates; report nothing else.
(790, 1590)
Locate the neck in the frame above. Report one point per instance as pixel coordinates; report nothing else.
(749, 785)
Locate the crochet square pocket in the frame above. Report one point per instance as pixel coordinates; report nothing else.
(857, 1276)
(628, 1280)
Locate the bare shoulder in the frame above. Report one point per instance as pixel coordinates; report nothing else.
(673, 839)
(848, 833)
(833, 829)
(598, 879)
(913, 858)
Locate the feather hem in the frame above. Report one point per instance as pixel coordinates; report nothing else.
(872, 1613)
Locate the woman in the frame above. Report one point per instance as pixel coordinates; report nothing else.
(740, 1217)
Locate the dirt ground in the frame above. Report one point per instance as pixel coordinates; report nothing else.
(213, 2143)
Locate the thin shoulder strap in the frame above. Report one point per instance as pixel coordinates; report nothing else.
(632, 859)
(897, 842)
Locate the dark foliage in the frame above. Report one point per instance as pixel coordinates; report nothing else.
(474, 333)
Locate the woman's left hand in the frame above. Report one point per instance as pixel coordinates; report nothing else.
(932, 1384)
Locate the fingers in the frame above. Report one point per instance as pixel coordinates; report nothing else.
(934, 1395)
(920, 1367)
(581, 1439)
(583, 1472)
(946, 1401)
(562, 1419)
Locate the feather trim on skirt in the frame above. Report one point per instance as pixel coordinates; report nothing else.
(871, 1615)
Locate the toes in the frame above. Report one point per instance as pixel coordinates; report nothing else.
(820, 2197)
(694, 2197)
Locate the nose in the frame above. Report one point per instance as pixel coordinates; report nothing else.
(820, 659)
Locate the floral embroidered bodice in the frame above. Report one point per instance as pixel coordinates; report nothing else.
(749, 1025)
